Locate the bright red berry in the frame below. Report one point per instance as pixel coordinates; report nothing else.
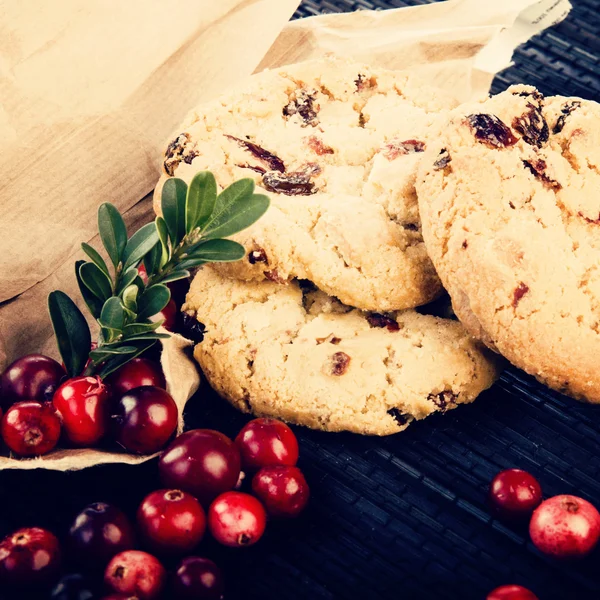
(83, 405)
(565, 527)
(197, 579)
(31, 377)
(31, 428)
(236, 519)
(171, 521)
(514, 494)
(145, 419)
(283, 490)
(202, 462)
(511, 592)
(99, 532)
(136, 373)
(135, 573)
(29, 557)
(267, 442)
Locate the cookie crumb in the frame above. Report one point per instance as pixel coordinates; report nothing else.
(339, 363)
(519, 292)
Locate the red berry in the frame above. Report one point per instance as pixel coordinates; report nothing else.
(136, 573)
(197, 579)
(511, 592)
(31, 377)
(83, 404)
(168, 314)
(171, 521)
(283, 490)
(203, 462)
(145, 419)
(236, 519)
(31, 428)
(565, 527)
(136, 373)
(99, 532)
(143, 273)
(29, 556)
(265, 443)
(514, 494)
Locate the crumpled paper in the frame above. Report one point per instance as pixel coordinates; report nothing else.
(90, 94)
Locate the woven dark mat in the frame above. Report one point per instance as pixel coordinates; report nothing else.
(402, 517)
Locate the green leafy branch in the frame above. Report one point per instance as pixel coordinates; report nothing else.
(190, 233)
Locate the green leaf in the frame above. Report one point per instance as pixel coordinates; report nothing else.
(235, 214)
(94, 303)
(71, 331)
(173, 199)
(96, 258)
(152, 301)
(137, 328)
(112, 315)
(117, 362)
(176, 275)
(127, 279)
(130, 294)
(153, 258)
(218, 251)
(200, 201)
(96, 281)
(139, 244)
(163, 234)
(192, 263)
(148, 336)
(113, 232)
(107, 351)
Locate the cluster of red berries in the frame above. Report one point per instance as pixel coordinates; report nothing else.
(563, 527)
(40, 405)
(200, 471)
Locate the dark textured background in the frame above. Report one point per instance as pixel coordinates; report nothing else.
(402, 517)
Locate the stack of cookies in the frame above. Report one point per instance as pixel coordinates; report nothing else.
(328, 320)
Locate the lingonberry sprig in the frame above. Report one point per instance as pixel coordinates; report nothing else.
(191, 231)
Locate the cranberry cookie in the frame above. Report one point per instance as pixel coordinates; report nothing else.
(292, 352)
(509, 196)
(335, 146)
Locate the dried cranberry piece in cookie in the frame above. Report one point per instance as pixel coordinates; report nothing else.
(179, 150)
(399, 417)
(490, 130)
(339, 363)
(443, 400)
(258, 256)
(395, 148)
(302, 102)
(538, 167)
(566, 109)
(442, 161)
(379, 320)
(291, 184)
(273, 161)
(532, 126)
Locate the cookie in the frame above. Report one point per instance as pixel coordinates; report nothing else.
(335, 146)
(509, 197)
(295, 353)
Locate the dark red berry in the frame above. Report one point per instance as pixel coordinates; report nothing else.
(143, 273)
(72, 587)
(99, 532)
(171, 521)
(135, 573)
(145, 419)
(283, 490)
(168, 314)
(514, 494)
(136, 373)
(236, 519)
(29, 557)
(565, 527)
(267, 442)
(31, 428)
(203, 462)
(511, 592)
(197, 579)
(83, 405)
(31, 377)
